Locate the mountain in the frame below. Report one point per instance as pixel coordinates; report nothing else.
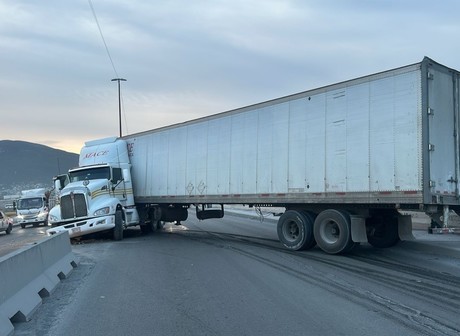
(25, 165)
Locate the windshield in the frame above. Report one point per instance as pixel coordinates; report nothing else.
(90, 174)
(30, 203)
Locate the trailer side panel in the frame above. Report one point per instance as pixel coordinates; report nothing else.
(358, 141)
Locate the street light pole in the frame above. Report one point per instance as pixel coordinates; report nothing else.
(119, 100)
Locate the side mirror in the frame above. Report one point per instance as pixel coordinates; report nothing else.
(57, 184)
(60, 181)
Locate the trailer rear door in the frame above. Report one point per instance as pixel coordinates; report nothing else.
(442, 114)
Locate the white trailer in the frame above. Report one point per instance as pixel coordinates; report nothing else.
(343, 160)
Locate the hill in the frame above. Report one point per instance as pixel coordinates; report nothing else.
(26, 165)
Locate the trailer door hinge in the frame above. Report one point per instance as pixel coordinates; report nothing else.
(430, 147)
(452, 180)
(430, 111)
(432, 184)
(430, 75)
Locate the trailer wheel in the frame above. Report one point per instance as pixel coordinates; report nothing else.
(160, 225)
(311, 219)
(149, 227)
(118, 229)
(332, 231)
(295, 230)
(153, 223)
(382, 229)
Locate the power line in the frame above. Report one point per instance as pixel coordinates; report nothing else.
(120, 98)
(102, 36)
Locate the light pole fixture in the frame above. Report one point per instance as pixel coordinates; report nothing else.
(119, 100)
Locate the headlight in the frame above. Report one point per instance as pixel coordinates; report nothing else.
(53, 219)
(102, 211)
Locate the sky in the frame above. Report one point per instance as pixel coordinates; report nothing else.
(186, 59)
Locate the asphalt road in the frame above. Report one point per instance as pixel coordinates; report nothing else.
(232, 277)
(20, 237)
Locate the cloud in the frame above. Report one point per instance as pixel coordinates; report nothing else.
(185, 59)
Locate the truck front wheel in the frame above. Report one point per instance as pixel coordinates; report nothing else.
(332, 231)
(295, 230)
(118, 229)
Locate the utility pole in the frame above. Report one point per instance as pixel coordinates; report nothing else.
(119, 100)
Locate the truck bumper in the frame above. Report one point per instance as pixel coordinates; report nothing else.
(31, 221)
(84, 227)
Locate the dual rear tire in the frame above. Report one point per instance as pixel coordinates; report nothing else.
(331, 230)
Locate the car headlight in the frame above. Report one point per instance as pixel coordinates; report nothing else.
(102, 211)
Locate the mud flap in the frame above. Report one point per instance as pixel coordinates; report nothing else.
(405, 227)
(358, 229)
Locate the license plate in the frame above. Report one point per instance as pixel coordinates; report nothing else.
(75, 230)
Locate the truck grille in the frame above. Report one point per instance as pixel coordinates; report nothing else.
(73, 208)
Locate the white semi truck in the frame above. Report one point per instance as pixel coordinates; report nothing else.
(345, 161)
(32, 207)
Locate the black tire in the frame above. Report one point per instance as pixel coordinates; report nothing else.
(310, 217)
(382, 229)
(118, 229)
(155, 216)
(160, 225)
(9, 229)
(146, 228)
(153, 222)
(295, 230)
(332, 231)
(23, 226)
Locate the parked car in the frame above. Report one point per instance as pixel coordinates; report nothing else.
(6, 223)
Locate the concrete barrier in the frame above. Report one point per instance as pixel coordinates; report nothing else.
(30, 274)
